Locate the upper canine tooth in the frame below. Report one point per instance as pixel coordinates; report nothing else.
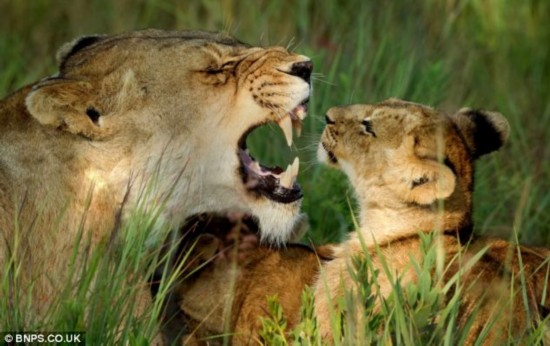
(285, 179)
(286, 125)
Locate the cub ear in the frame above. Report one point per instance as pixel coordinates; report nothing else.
(200, 251)
(66, 105)
(423, 181)
(484, 131)
(206, 247)
(429, 181)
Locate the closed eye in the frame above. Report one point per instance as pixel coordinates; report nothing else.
(368, 127)
(227, 65)
(222, 69)
(213, 70)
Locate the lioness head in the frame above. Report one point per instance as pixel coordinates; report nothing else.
(400, 154)
(177, 107)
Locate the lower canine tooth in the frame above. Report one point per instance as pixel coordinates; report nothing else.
(286, 125)
(295, 168)
(286, 179)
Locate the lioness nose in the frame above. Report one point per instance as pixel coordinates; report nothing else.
(302, 69)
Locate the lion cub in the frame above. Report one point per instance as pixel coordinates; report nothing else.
(227, 278)
(412, 171)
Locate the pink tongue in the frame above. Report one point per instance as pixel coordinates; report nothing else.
(255, 167)
(245, 158)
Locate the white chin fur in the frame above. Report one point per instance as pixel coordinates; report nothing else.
(322, 155)
(277, 221)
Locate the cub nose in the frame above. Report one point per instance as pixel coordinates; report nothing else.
(302, 69)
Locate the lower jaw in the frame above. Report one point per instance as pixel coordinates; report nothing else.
(276, 221)
(283, 198)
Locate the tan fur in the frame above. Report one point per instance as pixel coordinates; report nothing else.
(123, 111)
(206, 303)
(229, 296)
(412, 171)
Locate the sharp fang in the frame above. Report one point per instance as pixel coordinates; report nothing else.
(301, 112)
(286, 125)
(256, 166)
(295, 168)
(285, 180)
(297, 124)
(288, 177)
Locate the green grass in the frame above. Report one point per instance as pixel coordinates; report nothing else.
(482, 54)
(426, 312)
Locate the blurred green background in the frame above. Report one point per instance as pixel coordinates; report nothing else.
(492, 54)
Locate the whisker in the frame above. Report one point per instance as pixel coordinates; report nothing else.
(308, 165)
(309, 147)
(323, 81)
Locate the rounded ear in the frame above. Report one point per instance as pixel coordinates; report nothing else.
(199, 251)
(431, 181)
(483, 131)
(423, 181)
(66, 105)
(206, 247)
(73, 47)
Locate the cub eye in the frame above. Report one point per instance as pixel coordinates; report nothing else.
(368, 127)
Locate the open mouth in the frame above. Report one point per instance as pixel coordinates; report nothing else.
(273, 182)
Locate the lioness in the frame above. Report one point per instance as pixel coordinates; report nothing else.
(166, 107)
(412, 170)
(403, 160)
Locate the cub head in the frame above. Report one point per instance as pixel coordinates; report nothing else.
(407, 153)
(179, 106)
